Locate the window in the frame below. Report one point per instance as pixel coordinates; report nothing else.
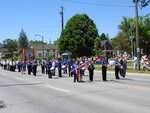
(47, 54)
(40, 55)
(48, 50)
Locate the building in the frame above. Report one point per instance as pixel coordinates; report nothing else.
(46, 49)
(2, 52)
(106, 47)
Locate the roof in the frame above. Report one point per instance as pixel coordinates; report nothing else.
(46, 46)
(106, 45)
(66, 54)
(3, 49)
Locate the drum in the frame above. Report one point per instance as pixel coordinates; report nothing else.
(83, 68)
(52, 69)
(63, 67)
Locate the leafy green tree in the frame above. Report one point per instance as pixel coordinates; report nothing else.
(97, 46)
(120, 43)
(37, 42)
(127, 26)
(78, 36)
(10, 45)
(23, 40)
(50, 56)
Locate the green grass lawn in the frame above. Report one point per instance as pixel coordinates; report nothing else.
(130, 70)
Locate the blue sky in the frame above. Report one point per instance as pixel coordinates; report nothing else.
(42, 16)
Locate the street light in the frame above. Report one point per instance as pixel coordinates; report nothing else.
(42, 42)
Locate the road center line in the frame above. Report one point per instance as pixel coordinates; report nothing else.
(63, 90)
(130, 86)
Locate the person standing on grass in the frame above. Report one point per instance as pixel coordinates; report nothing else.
(135, 63)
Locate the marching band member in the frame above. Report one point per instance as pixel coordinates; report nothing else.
(81, 70)
(19, 65)
(75, 69)
(117, 68)
(43, 66)
(1, 62)
(104, 69)
(49, 66)
(54, 66)
(5, 64)
(70, 63)
(91, 70)
(29, 67)
(14, 65)
(65, 67)
(59, 67)
(23, 67)
(46, 66)
(34, 67)
(10, 66)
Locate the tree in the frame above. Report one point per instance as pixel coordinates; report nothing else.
(50, 56)
(78, 36)
(37, 42)
(97, 46)
(1, 45)
(23, 40)
(120, 43)
(10, 45)
(103, 37)
(127, 26)
(143, 3)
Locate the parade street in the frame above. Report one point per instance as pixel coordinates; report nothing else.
(38, 94)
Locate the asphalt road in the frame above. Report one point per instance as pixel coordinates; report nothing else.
(38, 94)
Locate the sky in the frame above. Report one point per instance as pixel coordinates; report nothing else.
(42, 16)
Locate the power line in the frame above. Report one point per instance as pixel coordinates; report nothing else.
(95, 4)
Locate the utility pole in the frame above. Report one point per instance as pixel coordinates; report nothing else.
(137, 35)
(62, 17)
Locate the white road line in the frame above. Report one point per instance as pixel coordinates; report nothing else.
(63, 90)
(19, 78)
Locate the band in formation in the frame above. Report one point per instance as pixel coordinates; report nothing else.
(75, 68)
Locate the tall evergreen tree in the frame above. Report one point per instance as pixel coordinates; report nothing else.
(23, 40)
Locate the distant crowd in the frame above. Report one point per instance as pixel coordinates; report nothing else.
(144, 61)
